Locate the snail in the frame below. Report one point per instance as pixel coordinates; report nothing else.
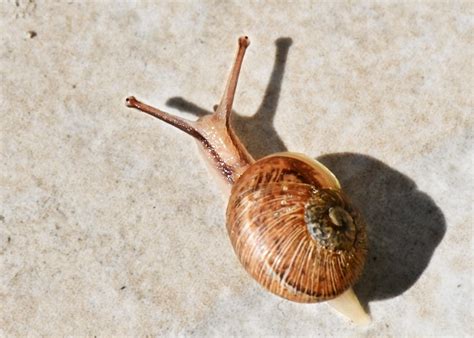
(293, 229)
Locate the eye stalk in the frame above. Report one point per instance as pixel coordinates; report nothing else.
(330, 220)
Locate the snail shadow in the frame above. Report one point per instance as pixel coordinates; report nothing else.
(404, 225)
(256, 131)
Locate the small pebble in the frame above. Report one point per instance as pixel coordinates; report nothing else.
(31, 34)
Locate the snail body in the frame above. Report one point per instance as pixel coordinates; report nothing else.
(291, 226)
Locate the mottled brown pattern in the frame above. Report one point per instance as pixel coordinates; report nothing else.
(265, 221)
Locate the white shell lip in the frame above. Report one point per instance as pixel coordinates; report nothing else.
(312, 162)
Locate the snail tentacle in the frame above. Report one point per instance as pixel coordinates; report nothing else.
(224, 109)
(190, 127)
(187, 126)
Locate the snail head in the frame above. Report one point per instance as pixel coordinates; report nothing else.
(331, 220)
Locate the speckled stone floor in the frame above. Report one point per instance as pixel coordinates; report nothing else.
(110, 223)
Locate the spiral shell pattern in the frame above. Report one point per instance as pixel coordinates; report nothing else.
(267, 228)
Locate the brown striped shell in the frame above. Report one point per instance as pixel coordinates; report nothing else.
(294, 230)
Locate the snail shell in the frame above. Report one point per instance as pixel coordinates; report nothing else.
(294, 230)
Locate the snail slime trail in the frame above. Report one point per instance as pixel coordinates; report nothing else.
(291, 226)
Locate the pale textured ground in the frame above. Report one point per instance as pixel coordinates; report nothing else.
(109, 222)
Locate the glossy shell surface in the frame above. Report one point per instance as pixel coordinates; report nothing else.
(266, 225)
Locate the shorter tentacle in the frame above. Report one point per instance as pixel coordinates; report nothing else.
(192, 128)
(187, 126)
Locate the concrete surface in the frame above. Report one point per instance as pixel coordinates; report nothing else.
(109, 221)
